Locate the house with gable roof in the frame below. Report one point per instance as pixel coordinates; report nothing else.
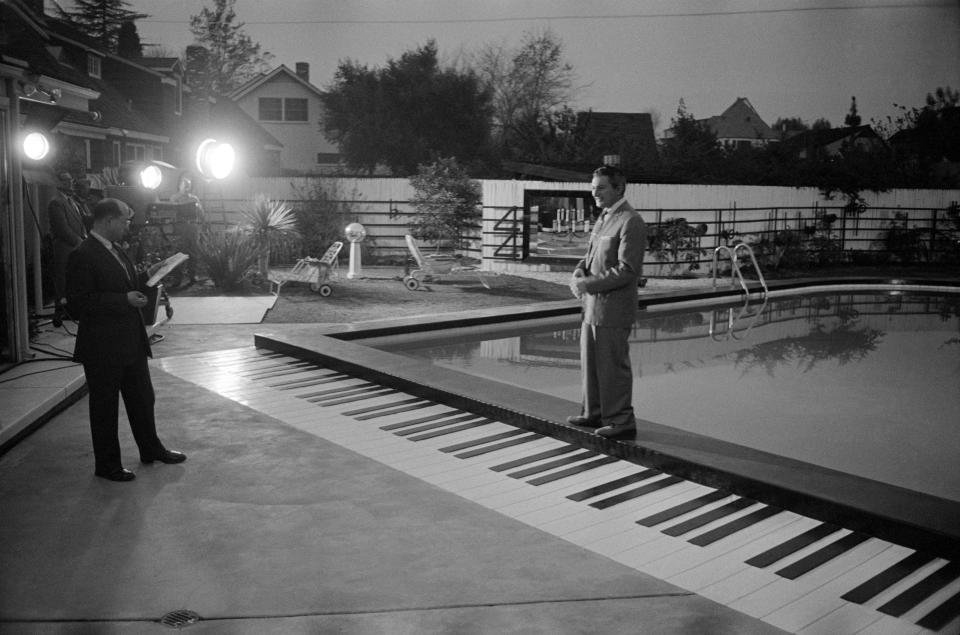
(741, 125)
(289, 107)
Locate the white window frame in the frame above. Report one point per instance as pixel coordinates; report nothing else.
(93, 65)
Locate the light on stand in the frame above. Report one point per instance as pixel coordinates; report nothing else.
(355, 234)
(151, 177)
(36, 146)
(215, 159)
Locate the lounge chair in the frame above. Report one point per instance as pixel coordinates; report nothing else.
(433, 266)
(314, 271)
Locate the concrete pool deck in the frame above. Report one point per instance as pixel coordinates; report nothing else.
(268, 529)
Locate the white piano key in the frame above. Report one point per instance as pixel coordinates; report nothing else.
(818, 592)
(931, 602)
(849, 618)
(713, 563)
(766, 601)
(887, 625)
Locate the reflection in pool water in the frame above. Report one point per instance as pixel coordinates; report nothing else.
(864, 383)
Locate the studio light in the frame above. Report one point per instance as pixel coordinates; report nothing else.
(215, 159)
(36, 146)
(151, 177)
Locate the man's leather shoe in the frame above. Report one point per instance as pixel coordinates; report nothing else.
(624, 431)
(120, 474)
(165, 456)
(587, 422)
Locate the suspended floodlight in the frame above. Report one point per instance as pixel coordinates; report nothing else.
(36, 146)
(151, 177)
(215, 159)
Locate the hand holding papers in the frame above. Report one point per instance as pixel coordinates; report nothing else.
(166, 267)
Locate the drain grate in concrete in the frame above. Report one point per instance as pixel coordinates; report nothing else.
(180, 618)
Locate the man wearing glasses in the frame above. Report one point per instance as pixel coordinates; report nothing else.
(105, 293)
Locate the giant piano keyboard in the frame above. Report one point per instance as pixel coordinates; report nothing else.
(791, 571)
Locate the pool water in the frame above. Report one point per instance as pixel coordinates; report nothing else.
(865, 383)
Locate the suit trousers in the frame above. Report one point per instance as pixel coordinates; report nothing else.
(606, 374)
(106, 383)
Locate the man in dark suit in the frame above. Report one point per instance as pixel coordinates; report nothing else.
(67, 230)
(105, 294)
(606, 281)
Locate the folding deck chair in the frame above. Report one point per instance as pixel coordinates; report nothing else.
(429, 267)
(314, 271)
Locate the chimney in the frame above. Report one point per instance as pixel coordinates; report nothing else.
(303, 71)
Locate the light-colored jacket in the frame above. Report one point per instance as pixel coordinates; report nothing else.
(613, 266)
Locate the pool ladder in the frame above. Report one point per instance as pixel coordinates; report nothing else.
(736, 274)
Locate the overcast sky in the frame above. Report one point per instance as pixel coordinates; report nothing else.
(790, 58)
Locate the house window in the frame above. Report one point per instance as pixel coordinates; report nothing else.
(154, 153)
(93, 65)
(271, 109)
(135, 152)
(294, 109)
(117, 156)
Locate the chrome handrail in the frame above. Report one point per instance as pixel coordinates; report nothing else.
(735, 272)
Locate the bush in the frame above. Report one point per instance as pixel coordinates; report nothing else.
(227, 257)
(676, 242)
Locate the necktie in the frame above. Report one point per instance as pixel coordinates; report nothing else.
(122, 259)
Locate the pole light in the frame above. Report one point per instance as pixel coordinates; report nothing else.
(355, 234)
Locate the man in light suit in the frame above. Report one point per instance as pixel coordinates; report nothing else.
(105, 294)
(606, 281)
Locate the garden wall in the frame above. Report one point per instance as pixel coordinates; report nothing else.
(380, 204)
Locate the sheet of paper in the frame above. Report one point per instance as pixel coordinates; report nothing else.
(168, 265)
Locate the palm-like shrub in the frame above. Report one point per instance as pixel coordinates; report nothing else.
(227, 257)
(270, 225)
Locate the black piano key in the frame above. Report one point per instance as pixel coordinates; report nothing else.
(394, 409)
(450, 430)
(612, 485)
(793, 545)
(384, 406)
(270, 374)
(546, 467)
(436, 425)
(539, 456)
(338, 390)
(680, 510)
(887, 578)
(708, 517)
(428, 419)
(922, 590)
(732, 527)
(574, 470)
(822, 555)
(306, 383)
(352, 397)
(942, 615)
(499, 446)
(636, 493)
(475, 442)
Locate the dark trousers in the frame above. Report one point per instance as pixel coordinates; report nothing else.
(606, 373)
(107, 382)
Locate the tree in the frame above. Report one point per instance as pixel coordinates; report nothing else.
(407, 113)
(446, 202)
(529, 86)
(691, 154)
(101, 20)
(128, 41)
(788, 126)
(230, 59)
(852, 119)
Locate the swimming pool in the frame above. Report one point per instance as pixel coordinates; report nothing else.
(866, 383)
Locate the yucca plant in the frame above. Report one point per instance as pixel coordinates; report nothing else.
(270, 224)
(227, 257)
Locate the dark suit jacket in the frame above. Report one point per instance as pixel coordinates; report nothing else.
(110, 331)
(613, 266)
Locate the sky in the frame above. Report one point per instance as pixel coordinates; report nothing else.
(789, 58)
